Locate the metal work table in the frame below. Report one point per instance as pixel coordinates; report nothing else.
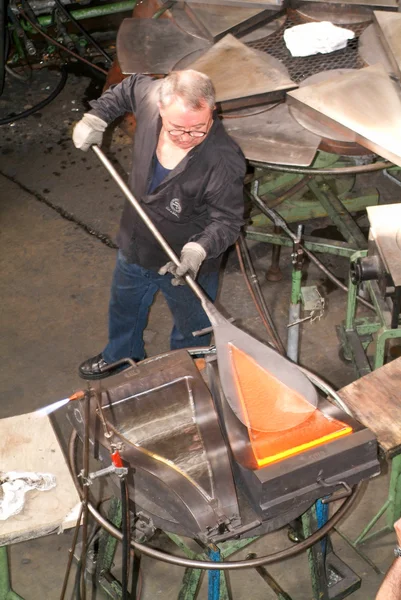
(28, 443)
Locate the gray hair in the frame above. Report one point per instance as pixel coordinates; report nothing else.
(194, 88)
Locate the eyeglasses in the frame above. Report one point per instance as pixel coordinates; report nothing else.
(192, 134)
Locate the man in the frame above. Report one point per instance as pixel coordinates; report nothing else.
(390, 589)
(187, 173)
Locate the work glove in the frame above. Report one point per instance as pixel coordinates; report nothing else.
(192, 256)
(88, 131)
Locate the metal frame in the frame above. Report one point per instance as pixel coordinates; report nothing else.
(356, 334)
(6, 591)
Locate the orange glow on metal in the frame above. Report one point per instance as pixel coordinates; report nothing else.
(263, 398)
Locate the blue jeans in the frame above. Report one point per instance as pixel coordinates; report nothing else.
(132, 292)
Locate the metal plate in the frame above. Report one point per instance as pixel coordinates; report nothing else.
(265, 31)
(153, 46)
(389, 30)
(312, 124)
(338, 141)
(371, 49)
(273, 136)
(385, 226)
(339, 14)
(243, 76)
(365, 102)
(218, 20)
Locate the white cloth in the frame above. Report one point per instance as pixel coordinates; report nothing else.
(315, 38)
(88, 131)
(15, 485)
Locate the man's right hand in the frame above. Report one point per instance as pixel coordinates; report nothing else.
(88, 131)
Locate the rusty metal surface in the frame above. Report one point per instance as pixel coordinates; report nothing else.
(273, 136)
(153, 46)
(389, 30)
(241, 75)
(385, 227)
(366, 102)
(371, 49)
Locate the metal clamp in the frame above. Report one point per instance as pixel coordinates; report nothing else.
(334, 496)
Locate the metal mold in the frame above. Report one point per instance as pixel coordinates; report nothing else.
(242, 76)
(389, 30)
(366, 102)
(153, 46)
(189, 452)
(271, 135)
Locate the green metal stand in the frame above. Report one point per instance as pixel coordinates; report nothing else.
(314, 196)
(356, 335)
(6, 593)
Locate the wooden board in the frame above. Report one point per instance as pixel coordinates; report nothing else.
(375, 400)
(28, 443)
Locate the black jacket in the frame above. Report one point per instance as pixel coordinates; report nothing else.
(201, 200)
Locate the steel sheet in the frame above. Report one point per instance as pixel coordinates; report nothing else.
(366, 102)
(371, 49)
(389, 30)
(153, 46)
(385, 227)
(243, 76)
(273, 136)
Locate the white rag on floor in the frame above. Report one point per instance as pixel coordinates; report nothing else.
(14, 485)
(315, 38)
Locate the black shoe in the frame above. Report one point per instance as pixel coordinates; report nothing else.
(94, 368)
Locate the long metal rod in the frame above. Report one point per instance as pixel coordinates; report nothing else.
(71, 553)
(148, 222)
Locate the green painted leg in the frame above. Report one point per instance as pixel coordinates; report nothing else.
(6, 593)
(382, 338)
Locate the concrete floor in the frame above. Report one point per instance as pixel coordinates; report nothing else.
(55, 283)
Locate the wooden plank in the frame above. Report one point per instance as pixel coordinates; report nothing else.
(28, 443)
(375, 400)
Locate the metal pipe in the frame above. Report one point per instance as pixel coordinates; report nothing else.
(71, 553)
(334, 171)
(258, 297)
(293, 332)
(86, 13)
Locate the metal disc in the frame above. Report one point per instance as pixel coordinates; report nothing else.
(339, 14)
(339, 140)
(371, 50)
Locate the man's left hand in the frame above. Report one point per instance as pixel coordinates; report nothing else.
(192, 256)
